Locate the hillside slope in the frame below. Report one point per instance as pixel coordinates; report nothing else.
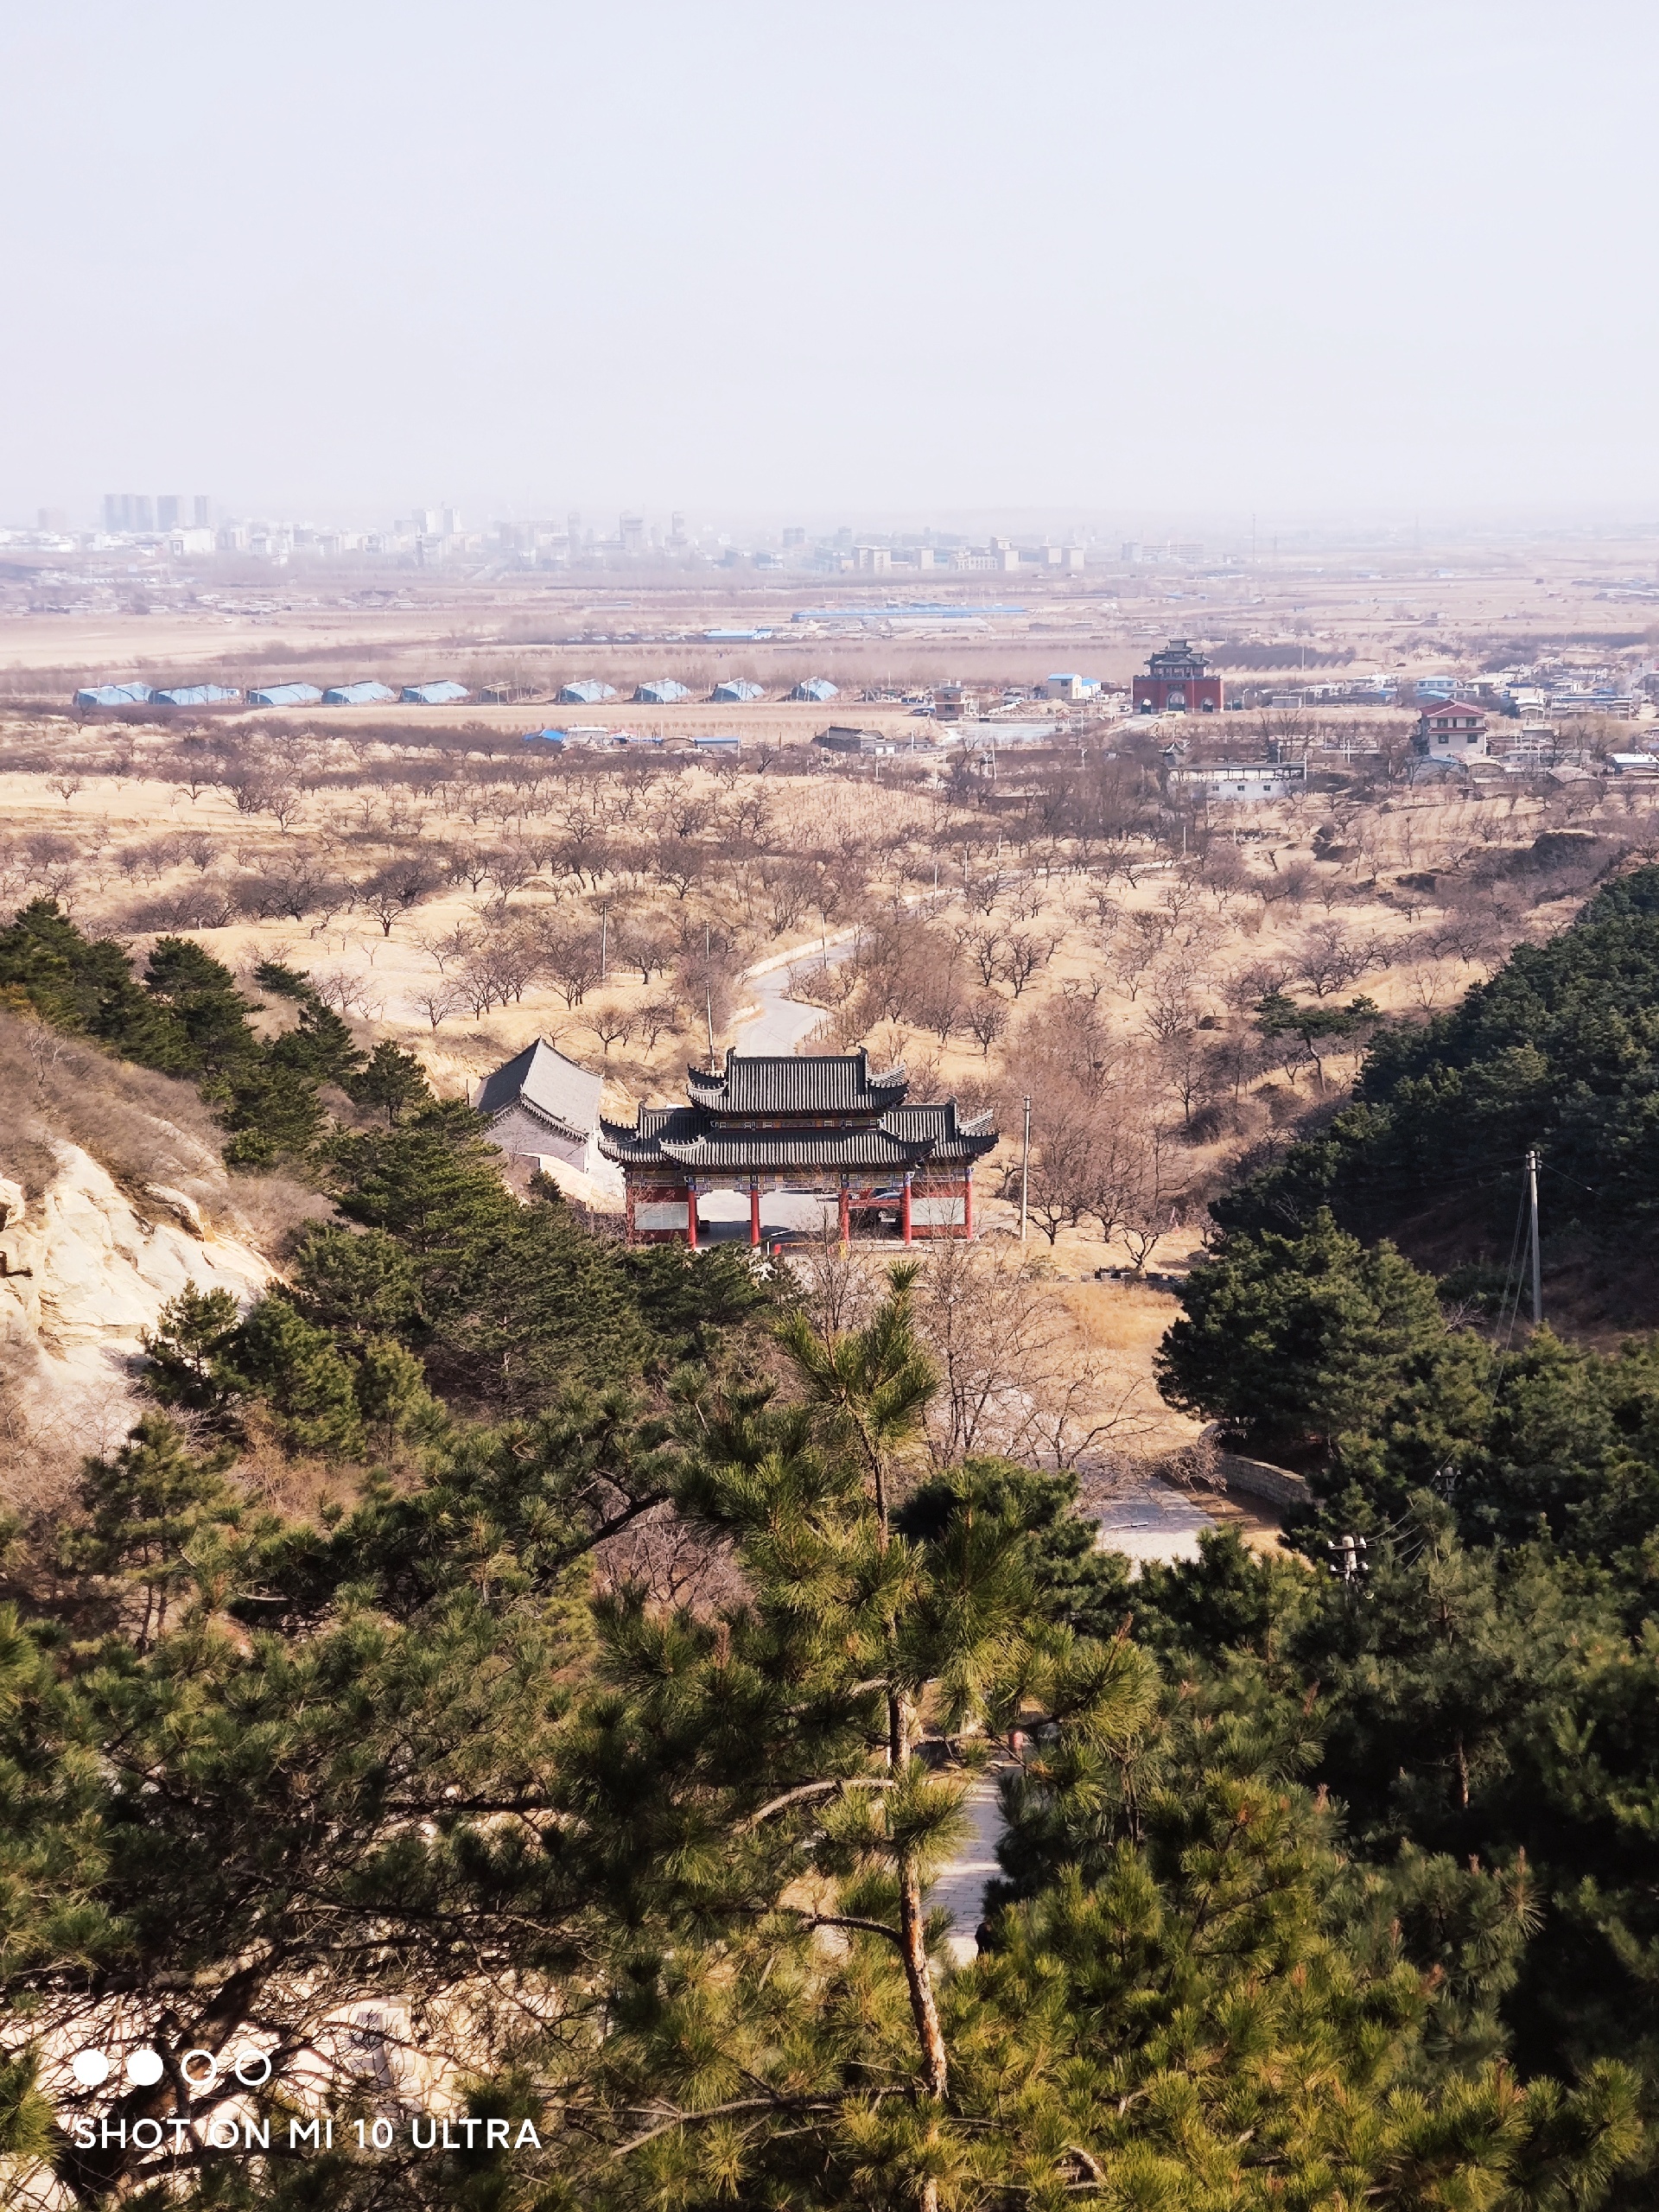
(1560, 1050)
(113, 1197)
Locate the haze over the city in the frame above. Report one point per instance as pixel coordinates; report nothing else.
(832, 263)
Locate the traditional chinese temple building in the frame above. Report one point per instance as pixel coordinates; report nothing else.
(822, 1124)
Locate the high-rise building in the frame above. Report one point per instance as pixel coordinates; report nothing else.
(204, 512)
(631, 530)
(129, 510)
(169, 511)
(53, 518)
(451, 520)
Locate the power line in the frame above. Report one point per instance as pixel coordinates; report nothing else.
(1511, 1293)
(1537, 1262)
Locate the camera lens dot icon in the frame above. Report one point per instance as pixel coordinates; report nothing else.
(90, 2068)
(145, 2068)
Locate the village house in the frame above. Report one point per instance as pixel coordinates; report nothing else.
(1451, 730)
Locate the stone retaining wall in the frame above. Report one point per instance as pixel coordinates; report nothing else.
(1258, 1478)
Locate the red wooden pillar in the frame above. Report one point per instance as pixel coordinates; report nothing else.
(691, 1216)
(628, 1202)
(903, 1212)
(845, 1219)
(968, 1204)
(754, 1213)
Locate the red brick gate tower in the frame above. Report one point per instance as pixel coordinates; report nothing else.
(1177, 682)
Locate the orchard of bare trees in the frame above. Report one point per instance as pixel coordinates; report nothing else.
(1171, 991)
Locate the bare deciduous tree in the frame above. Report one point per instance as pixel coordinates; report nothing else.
(1014, 1381)
(392, 889)
(658, 1018)
(1023, 953)
(981, 943)
(1156, 1206)
(612, 1025)
(454, 944)
(674, 1563)
(1330, 957)
(437, 1002)
(569, 959)
(987, 1019)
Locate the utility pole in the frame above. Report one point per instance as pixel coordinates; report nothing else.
(1024, 1173)
(1537, 1271)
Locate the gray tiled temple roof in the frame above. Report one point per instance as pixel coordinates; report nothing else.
(693, 1140)
(644, 1141)
(758, 1083)
(560, 1092)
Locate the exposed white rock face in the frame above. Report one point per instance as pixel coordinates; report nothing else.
(178, 1203)
(82, 1274)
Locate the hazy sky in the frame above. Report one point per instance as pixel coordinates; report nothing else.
(830, 259)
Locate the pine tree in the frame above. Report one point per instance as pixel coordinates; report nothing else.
(320, 1047)
(189, 1355)
(155, 1514)
(1297, 1342)
(356, 1283)
(302, 1378)
(56, 1928)
(393, 1080)
(765, 1794)
(393, 1403)
(202, 994)
(434, 1184)
(1076, 1585)
(86, 984)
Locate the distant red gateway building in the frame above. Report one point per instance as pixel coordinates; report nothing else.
(1177, 682)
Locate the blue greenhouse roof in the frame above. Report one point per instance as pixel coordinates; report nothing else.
(285, 694)
(357, 695)
(113, 695)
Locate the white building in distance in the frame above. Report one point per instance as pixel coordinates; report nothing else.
(1233, 781)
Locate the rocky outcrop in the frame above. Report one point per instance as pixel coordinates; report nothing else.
(84, 1272)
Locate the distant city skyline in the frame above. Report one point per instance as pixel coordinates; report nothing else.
(650, 526)
(841, 259)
